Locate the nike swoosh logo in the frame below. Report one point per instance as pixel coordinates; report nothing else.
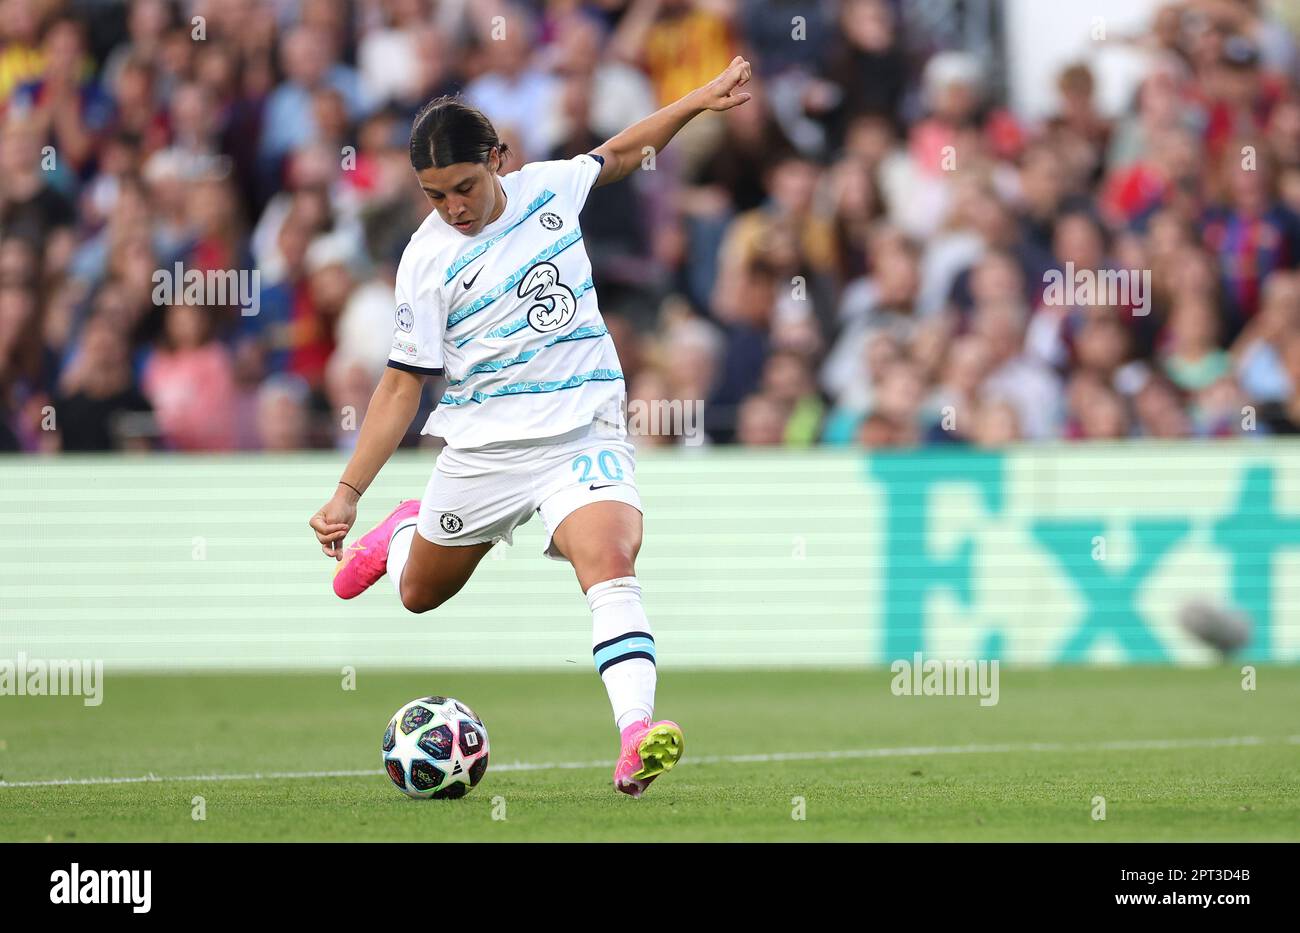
(593, 486)
(470, 281)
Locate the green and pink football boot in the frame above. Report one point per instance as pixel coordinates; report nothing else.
(649, 750)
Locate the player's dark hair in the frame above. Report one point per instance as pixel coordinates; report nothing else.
(447, 131)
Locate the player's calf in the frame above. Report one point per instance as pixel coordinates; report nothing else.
(434, 573)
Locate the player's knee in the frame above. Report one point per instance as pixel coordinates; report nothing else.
(419, 598)
(413, 601)
(609, 563)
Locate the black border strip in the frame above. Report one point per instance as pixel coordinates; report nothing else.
(418, 370)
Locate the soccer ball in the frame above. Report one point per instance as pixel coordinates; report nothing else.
(435, 747)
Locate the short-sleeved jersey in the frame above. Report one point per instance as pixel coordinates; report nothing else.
(510, 315)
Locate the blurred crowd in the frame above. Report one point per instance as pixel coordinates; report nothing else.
(858, 256)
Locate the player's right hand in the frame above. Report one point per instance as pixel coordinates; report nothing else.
(332, 524)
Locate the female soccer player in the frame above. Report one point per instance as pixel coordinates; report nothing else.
(494, 291)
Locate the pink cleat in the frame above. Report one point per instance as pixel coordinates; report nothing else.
(649, 749)
(366, 560)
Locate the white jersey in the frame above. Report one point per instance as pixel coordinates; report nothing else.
(510, 315)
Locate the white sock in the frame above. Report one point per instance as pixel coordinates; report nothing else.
(399, 549)
(621, 640)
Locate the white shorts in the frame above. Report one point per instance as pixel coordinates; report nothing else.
(481, 495)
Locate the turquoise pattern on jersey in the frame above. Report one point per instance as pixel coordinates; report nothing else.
(468, 257)
(474, 307)
(492, 366)
(514, 327)
(533, 387)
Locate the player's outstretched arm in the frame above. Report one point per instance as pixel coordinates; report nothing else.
(624, 152)
(392, 407)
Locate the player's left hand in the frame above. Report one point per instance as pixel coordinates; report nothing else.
(723, 92)
(332, 524)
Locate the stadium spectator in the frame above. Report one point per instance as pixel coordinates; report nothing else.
(762, 422)
(995, 424)
(283, 418)
(1257, 352)
(289, 121)
(1192, 356)
(788, 380)
(516, 95)
(189, 381)
(97, 394)
(858, 257)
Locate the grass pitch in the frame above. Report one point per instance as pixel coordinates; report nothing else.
(1177, 754)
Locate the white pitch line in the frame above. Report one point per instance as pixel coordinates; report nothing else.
(894, 752)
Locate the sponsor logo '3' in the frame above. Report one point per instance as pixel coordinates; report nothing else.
(554, 302)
